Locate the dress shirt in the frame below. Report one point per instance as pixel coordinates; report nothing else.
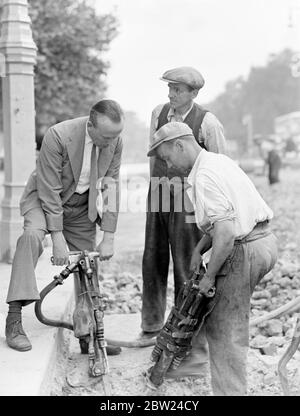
(219, 190)
(84, 178)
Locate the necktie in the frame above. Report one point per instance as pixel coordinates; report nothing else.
(93, 192)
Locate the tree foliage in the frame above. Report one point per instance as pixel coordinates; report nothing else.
(70, 71)
(268, 92)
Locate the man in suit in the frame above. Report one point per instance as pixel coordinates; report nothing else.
(77, 158)
(166, 226)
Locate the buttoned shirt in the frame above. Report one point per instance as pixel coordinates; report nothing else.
(211, 132)
(219, 190)
(84, 178)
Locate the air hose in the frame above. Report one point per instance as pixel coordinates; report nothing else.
(58, 280)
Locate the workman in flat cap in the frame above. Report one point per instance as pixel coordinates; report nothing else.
(235, 222)
(166, 224)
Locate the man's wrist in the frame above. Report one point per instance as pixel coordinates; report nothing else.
(56, 234)
(210, 275)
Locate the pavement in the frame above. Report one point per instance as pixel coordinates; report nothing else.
(27, 373)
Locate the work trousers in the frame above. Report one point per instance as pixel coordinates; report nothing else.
(164, 231)
(78, 231)
(227, 322)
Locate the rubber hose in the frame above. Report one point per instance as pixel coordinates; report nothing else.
(289, 307)
(61, 324)
(38, 309)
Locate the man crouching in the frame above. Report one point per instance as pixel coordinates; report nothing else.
(236, 225)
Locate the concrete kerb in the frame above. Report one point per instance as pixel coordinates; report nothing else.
(59, 353)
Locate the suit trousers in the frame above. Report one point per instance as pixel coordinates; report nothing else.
(166, 230)
(78, 231)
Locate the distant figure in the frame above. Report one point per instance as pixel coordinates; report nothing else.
(274, 164)
(290, 145)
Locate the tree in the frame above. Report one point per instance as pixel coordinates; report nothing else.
(70, 71)
(269, 91)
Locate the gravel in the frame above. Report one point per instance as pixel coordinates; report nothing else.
(122, 283)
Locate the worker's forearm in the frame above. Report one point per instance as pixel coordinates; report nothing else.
(56, 235)
(222, 246)
(204, 244)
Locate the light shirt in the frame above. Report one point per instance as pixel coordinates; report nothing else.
(84, 178)
(219, 190)
(211, 132)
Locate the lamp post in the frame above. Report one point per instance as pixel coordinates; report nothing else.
(18, 50)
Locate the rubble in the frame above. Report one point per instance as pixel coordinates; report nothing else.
(269, 349)
(122, 282)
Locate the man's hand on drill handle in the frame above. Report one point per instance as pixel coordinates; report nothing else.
(207, 285)
(60, 249)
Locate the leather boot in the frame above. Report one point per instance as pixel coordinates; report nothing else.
(110, 349)
(113, 350)
(16, 337)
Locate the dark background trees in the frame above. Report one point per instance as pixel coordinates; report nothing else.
(70, 71)
(70, 74)
(268, 91)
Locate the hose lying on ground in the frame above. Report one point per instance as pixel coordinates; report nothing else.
(289, 307)
(139, 343)
(282, 370)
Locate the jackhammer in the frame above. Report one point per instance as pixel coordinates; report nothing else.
(174, 341)
(88, 315)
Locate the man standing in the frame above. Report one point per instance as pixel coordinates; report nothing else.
(235, 221)
(274, 165)
(166, 225)
(60, 198)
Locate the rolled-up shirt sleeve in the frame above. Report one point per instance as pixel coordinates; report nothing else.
(213, 134)
(211, 201)
(153, 128)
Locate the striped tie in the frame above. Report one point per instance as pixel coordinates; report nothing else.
(93, 193)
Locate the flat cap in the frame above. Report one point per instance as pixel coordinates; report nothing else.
(185, 74)
(169, 131)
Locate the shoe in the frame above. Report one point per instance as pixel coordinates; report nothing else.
(113, 350)
(183, 370)
(148, 334)
(16, 337)
(84, 346)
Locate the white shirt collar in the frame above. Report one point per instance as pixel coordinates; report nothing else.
(88, 138)
(172, 112)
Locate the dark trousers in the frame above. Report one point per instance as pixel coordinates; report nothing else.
(165, 231)
(78, 231)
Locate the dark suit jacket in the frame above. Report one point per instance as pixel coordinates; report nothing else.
(58, 170)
